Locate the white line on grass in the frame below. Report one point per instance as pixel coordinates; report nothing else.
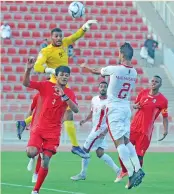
(46, 189)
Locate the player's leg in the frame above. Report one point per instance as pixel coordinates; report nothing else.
(38, 165)
(71, 131)
(107, 159)
(116, 125)
(49, 146)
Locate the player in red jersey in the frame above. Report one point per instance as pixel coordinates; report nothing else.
(55, 98)
(149, 104)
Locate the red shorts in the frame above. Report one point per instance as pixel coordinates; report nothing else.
(140, 141)
(44, 141)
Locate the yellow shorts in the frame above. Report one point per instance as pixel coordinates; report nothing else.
(53, 80)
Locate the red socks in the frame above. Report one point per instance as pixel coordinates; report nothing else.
(38, 164)
(122, 166)
(41, 177)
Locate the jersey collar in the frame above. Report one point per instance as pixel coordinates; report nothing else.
(126, 66)
(103, 97)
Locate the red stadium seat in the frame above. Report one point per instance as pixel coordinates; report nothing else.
(103, 44)
(78, 79)
(138, 20)
(75, 70)
(18, 88)
(44, 9)
(19, 117)
(87, 53)
(98, 35)
(134, 44)
(36, 34)
(39, 2)
(89, 3)
(82, 43)
(75, 88)
(30, 2)
(124, 12)
(112, 61)
(21, 25)
(43, 25)
(10, 96)
(34, 9)
(113, 28)
(103, 27)
(49, 2)
(4, 8)
(11, 51)
(92, 62)
(144, 80)
(95, 89)
(113, 45)
(2, 51)
(110, 3)
(133, 12)
(139, 70)
(15, 34)
(134, 28)
(29, 43)
(64, 10)
(101, 62)
(7, 88)
(16, 60)
(107, 53)
(124, 28)
(4, 60)
(134, 62)
(92, 44)
(38, 18)
(113, 11)
(18, 17)
(8, 69)
(58, 18)
(8, 117)
(51, 26)
(74, 26)
(94, 11)
(88, 97)
(143, 29)
(79, 97)
(119, 4)
(90, 79)
(129, 20)
(11, 78)
(68, 18)
(20, 69)
(7, 17)
(33, 51)
(48, 18)
(100, 19)
(138, 36)
(85, 89)
(21, 96)
(24, 107)
(31, 26)
(109, 19)
(128, 3)
(138, 89)
(19, 42)
(119, 20)
(116, 53)
(63, 27)
(28, 18)
(129, 37)
(13, 8)
(118, 36)
(54, 10)
(97, 53)
(1, 96)
(22, 51)
(7, 42)
(26, 34)
(2, 78)
(108, 36)
(23, 8)
(99, 3)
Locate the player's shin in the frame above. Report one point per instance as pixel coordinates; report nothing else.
(85, 162)
(133, 156)
(108, 160)
(124, 156)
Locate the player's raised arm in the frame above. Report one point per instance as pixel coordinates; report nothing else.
(92, 70)
(71, 39)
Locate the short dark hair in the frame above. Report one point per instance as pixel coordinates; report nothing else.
(65, 69)
(103, 82)
(157, 76)
(56, 30)
(127, 51)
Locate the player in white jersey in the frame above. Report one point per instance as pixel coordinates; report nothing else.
(122, 81)
(97, 138)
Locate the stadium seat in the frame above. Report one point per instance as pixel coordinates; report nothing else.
(38, 18)
(94, 11)
(103, 27)
(107, 53)
(138, 89)
(48, 18)
(98, 35)
(44, 9)
(119, 4)
(87, 53)
(116, 53)
(8, 69)
(2, 77)
(124, 28)
(20, 69)
(103, 44)
(139, 70)
(99, 19)
(89, 3)
(82, 43)
(6, 88)
(15, 34)
(58, 18)
(16, 60)
(11, 78)
(23, 51)
(113, 11)
(4, 60)
(43, 25)
(78, 79)
(19, 117)
(64, 27)
(108, 36)
(143, 29)
(36, 34)
(2, 51)
(18, 17)
(7, 17)
(138, 20)
(75, 70)
(28, 17)
(85, 89)
(13, 108)
(1, 96)
(134, 62)
(133, 12)
(124, 12)
(134, 44)
(88, 97)
(97, 53)
(110, 3)
(34, 10)
(8, 117)
(118, 36)
(74, 26)
(35, 78)
(54, 10)
(26, 34)
(92, 43)
(33, 51)
(75, 88)
(90, 79)
(64, 10)
(134, 28)
(23, 9)
(128, 4)
(7, 41)
(95, 89)
(10, 96)
(119, 20)
(139, 37)
(99, 3)
(21, 25)
(29, 43)
(4, 8)
(144, 80)
(112, 61)
(31, 26)
(18, 88)
(91, 61)
(129, 20)
(11, 51)
(109, 20)
(129, 37)
(21, 96)
(24, 107)
(101, 62)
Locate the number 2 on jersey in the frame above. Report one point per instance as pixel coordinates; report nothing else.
(123, 92)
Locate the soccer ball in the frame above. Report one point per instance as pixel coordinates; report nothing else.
(76, 9)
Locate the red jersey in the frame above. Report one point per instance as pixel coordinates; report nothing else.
(51, 108)
(151, 107)
(34, 102)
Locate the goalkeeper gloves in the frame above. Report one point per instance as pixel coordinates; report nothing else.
(50, 70)
(88, 24)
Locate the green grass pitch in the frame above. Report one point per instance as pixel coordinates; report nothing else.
(159, 168)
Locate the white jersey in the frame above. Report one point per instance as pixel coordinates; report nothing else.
(98, 117)
(122, 81)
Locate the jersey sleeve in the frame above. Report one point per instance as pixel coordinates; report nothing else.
(164, 110)
(36, 85)
(107, 70)
(41, 60)
(71, 39)
(72, 97)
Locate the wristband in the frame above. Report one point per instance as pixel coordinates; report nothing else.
(65, 97)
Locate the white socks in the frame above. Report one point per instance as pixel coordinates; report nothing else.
(85, 162)
(133, 156)
(108, 160)
(125, 157)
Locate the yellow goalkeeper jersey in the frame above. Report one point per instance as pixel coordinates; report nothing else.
(53, 57)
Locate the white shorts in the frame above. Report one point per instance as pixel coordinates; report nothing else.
(118, 120)
(94, 140)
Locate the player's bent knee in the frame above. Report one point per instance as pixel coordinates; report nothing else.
(45, 161)
(119, 141)
(99, 152)
(68, 116)
(31, 152)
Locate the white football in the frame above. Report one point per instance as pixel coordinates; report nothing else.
(76, 9)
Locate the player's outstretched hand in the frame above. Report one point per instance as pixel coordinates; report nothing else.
(164, 136)
(30, 63)
(82, 122)
(59, 91)
(88, 24)
(83, 65)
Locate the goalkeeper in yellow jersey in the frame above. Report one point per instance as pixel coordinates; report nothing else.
(48, 60)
